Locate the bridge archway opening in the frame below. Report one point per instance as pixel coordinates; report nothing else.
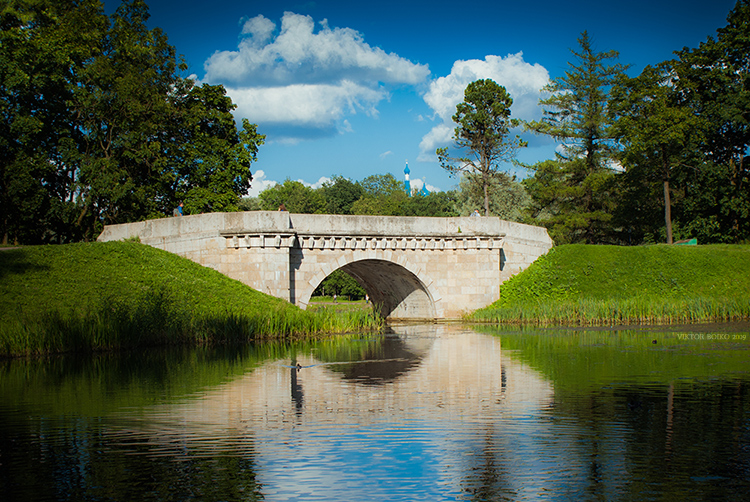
(395, 292)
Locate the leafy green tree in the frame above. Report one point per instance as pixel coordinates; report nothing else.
(483, 129)
(377, 185)
(96, 120)
(249, 204)
(384, 195)
(508, 202)
(340, 283)
(44, 45)
(657, 132)
(714, 81)
(123, 103)
(340, 194)
(211, 161)
(294, 196)
(576, 114)
(441, 204)
(707, 203)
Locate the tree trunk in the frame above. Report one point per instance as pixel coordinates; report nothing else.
(486, 200)
(668, 211)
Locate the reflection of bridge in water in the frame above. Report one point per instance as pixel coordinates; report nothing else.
(449, 402)
(451, 371)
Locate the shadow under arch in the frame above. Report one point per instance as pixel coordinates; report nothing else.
(396, 292)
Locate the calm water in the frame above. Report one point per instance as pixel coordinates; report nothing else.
(423, 413)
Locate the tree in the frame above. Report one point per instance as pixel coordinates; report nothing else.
(657, 132)
(484, 125)
(714, 81)
(576, 114)
(384, 195)
(340, 283)
(441, 204)
(508, 203)
(97, 125)
(211, 161)
(296, 197)
(44, 45)
(340, 194)
(122, 104)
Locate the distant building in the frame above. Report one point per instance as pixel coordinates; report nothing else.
(407, 183)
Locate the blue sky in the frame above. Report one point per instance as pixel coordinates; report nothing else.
(357, 88)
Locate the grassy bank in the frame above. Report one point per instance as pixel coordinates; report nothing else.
(104, 296)
(582, 284)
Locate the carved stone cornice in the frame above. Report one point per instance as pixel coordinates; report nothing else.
(332, 241)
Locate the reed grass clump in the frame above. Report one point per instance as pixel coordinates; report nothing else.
(596, 285)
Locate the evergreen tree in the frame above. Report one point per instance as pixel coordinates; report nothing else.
(483, 129)
(576, 114)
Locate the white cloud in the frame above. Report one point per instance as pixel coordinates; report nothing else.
(306, 79)
(385, 154)
(259, 28)
(259, 183)
(440, 135)
(317, 184)
(417, 184)
(522, 80)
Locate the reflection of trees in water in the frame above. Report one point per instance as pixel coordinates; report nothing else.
(492, 478)
(678, 440)
(86, 460)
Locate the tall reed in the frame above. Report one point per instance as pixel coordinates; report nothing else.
(636, 310)
(156, 319)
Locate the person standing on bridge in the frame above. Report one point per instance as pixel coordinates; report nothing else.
(178, 210)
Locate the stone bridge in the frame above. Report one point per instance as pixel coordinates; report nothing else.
(411, 267)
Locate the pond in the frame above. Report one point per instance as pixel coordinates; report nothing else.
(423, 412)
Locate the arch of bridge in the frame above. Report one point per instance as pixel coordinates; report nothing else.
(424, 275)
(397, 288)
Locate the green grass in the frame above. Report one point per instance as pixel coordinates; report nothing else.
(104, 296)
(341, 305)
(584, 284)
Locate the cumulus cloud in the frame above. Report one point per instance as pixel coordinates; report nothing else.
(417, 184)
(522, 80)
(259, 183)
(304, 104)
(323, 180)
(259, 29)
(306, 78)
